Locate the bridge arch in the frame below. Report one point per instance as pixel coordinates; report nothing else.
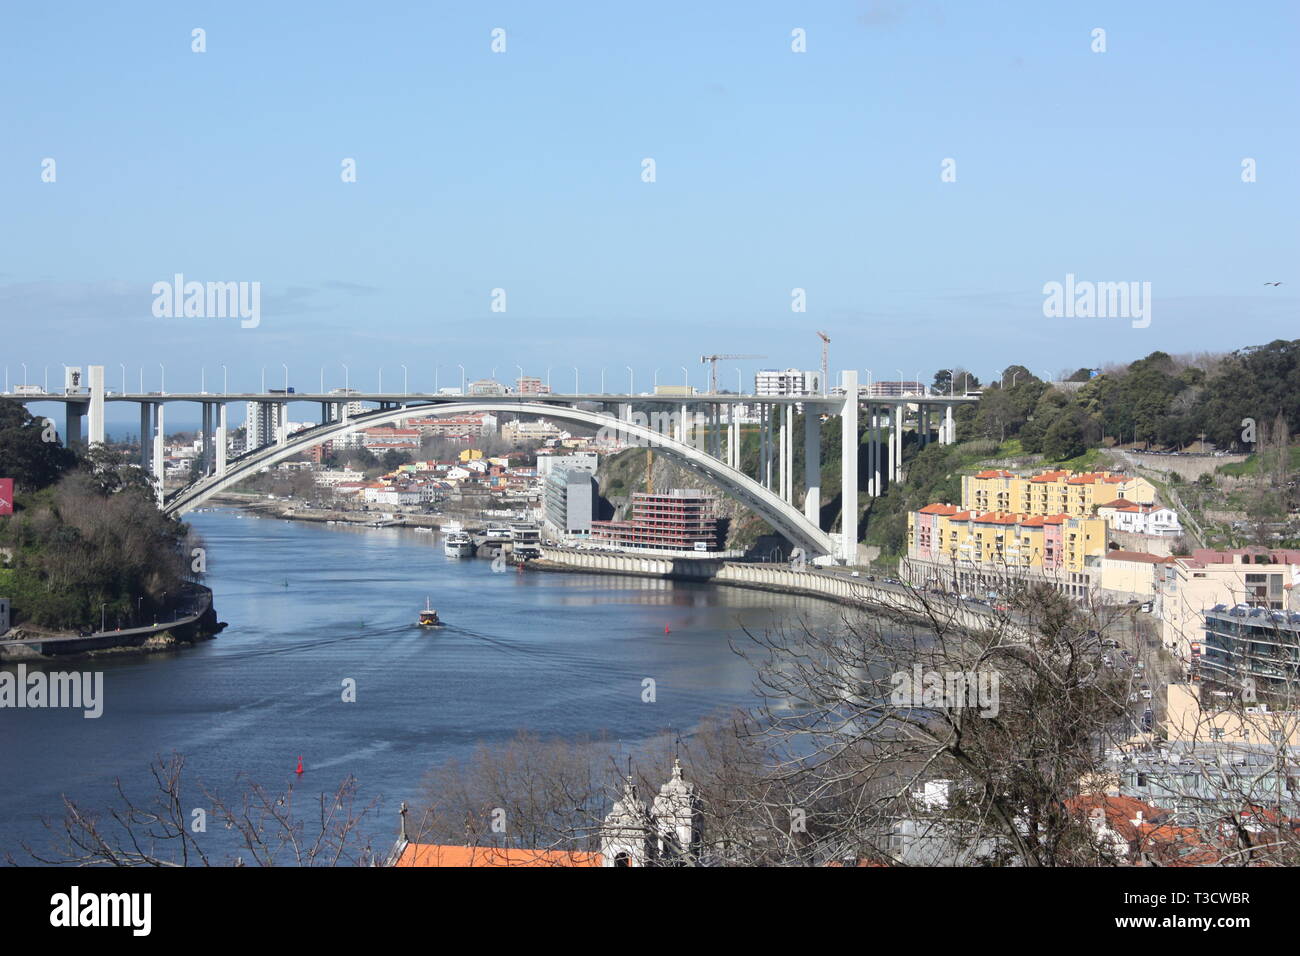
(784, 517)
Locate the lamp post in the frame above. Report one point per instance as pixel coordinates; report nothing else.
(405, 389)
(225, 390)
(576, 390)
(520, 383)
(121, 365)
(631, 381)
(286, 375)
(602, 381)
(24, 365)
(740, 387)
(686, 376)
(548, 378)
(347, 388)
(162, 379)
(322, 380)
(203, 381)
(263, 380)
(462, 378)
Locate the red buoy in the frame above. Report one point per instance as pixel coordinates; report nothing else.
(299, 770)
(667, 629)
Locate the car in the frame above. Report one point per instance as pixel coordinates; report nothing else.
(1108, 642)
(1148, 718)
(1145, 691)
(1107, 661)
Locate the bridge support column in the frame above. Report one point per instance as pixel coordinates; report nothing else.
(146, 433)
(159, 451)
(281, 422)
(812, 464)
(874, 451)
(732, 457)
(73, 413)
(849, 468)
(96, 382)
(205, 438)
(896, 463)
(221, 438)
(766, 478)
(949, 432)
(783, 459)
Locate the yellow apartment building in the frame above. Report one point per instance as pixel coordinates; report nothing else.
(1051, 492)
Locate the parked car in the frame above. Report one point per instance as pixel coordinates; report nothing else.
(1145, 691)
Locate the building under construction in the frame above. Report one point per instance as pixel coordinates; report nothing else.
(682, 520)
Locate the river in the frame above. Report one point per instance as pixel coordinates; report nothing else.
(310, 606)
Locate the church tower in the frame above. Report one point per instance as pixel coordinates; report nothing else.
(627, 835)
(677, 820)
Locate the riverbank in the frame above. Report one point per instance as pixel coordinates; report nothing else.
(287, 510)
(195, 620)
(841, 587)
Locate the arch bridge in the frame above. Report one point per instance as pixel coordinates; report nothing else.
(701, 431)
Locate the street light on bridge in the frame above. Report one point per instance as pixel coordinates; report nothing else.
(576, 390)
(286, 375)
(631, 380)
(462, 378)
(162, 379)
(405, 389)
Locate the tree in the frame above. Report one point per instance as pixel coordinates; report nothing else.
(30, 453)
(1064, 438)
(255, 825)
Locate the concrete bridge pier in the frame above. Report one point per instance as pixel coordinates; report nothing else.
(812, 464)
(849, 468)
(95, 379)
(159, 456)
(949, 431)
(873, 451)
(896, 459)
(73, 413)
(221, 438)
(146, 433)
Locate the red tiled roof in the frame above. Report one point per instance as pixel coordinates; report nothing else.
(438, 854)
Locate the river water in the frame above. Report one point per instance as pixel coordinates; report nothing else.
(310, 606)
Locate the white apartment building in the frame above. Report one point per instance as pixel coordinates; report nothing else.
(1124, 515)
(790, 381)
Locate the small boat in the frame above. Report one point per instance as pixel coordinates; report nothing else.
(424, 531)
(429, 617)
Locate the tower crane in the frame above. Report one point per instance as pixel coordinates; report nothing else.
(713, 367)
(826, 343)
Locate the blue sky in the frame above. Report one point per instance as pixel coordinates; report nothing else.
(522, 171)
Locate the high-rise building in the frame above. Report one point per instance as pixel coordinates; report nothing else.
(569, 500)
(680, 520)
(263, 423)
(790, 381)
(528, 385)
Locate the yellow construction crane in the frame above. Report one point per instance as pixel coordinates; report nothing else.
(713, 367)
(826, 343)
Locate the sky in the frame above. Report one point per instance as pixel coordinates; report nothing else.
(522, 170)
